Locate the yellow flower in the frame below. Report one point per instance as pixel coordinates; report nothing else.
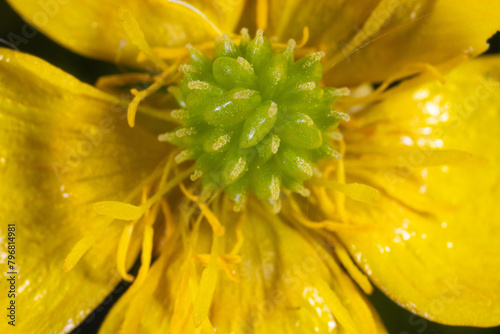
(411, 207)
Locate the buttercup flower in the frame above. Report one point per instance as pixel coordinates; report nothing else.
(217, 159)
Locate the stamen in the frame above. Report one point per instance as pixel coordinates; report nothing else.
(333, 302)
(134, 32)
(84, 244)
(118, 210)
(239, 235)
(368, 325)
(356, 274)
(339, 196)
(324, 201)
(138, 301)
(125, 211)
(224, 262)
(305, 38)
(123, 245)
(292, 47)
(169, 219)
(214, 222)
(160, 81)
(356, 191)
(148, 232)
(297, 215)
(166, 171)
(117, 80)
(404, 73)
(432, 158)
(147, 243)
(147, 249)
(182, 312)
(207, 285)
(164, 53)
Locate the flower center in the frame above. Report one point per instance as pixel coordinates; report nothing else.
(255, 120)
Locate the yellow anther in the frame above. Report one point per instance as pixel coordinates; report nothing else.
(136, 35)
(123, 245)
(207, 285)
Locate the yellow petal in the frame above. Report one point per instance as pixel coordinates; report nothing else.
(286, 282)
(118, 210)
(335, 19)
(62, 147)
(420, 31)
(93, 28)
(434, 244)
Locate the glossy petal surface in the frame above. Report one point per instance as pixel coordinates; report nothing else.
(333, 21)
(93, 28)
(434, 243)
(400, 34)
(61, 148)
(286, 283)
(371, 40)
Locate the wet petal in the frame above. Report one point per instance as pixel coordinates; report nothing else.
(93, 28)
(62, 147)
(334, 21)
(419, 31)
(286, 282)
(434, 244)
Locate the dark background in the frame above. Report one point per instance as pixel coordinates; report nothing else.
(396, 319)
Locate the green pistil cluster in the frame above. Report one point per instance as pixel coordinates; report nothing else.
(254, 119)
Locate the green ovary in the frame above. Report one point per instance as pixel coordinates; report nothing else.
(254, 119)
